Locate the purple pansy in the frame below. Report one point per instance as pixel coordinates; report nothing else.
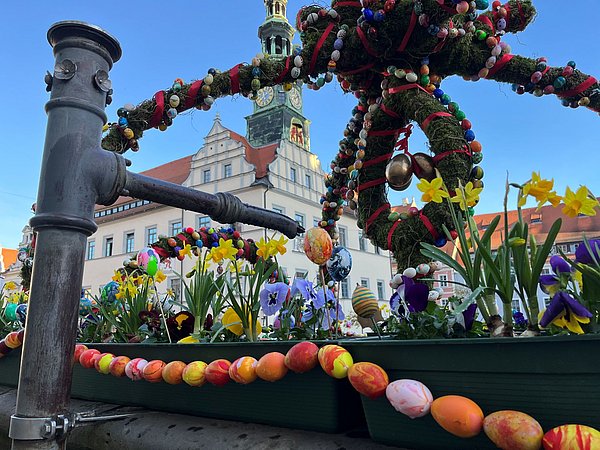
(548, 282)
(285, 315)
(562, 302)
(272, 297)
(304, 288)
(339, 315)
(319, 301)
(583, 255)
(414, 294)
(469, 316)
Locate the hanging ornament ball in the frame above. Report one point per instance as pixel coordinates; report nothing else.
(477, 173)
(318, 245)
(21, 313)
(147, 260)
(364, 302)
(399, 172)
(426, 166)
(174, 101)
(340, 263)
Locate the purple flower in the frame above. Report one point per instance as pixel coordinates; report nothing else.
(469, 316)
(304, 288)
(519, 319)
(583, 255)
(565, 311)
(559, 265)
(550, 283)
(272, 297)
(284, 315)
(336, 312)
(319, 301)
(414, 294)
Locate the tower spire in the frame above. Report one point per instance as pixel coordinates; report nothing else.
(276, 33)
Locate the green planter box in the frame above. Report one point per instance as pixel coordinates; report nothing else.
(309, 401)
(556, 380)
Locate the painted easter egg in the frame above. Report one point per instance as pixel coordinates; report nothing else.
(317, 245)
(194, 373)
(364, 302)
(243, 370)
(86, 359)
(79, 349)
(117, 366)
(10, 311)
(572, 437)
(173, 372)
(335, 360)
(102, 364)
(147, 260)
(369, 379)
(217, 372)
(410, 397)
(85, 306)
(135, 369)
(108, 294)
(153, 371)
(458, 415)
(513, 430)
(271, 367)
(340, 263)
(302, 357)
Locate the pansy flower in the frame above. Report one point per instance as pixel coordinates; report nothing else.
(583, 255)
(272, 297)
(180, 325)
(320, 301)
(285, 316)
(469, 316)
(566, 312)
(336, 312)
(551, 283)
(304, 288)
(415, 295)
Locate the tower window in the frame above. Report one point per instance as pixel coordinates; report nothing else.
(268, 45)
(277, 9)
(278, 45)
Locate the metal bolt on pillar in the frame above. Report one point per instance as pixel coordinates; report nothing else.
(76, 175)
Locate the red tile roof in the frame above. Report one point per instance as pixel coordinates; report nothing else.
(259, 157)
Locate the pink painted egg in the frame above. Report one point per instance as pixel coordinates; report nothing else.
(410, 397)
(135, 369)
(317, 245)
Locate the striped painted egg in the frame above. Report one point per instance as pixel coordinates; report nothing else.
(364, 302)
(572, 437)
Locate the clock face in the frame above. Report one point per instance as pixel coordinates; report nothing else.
(295, 98)
(265, 96)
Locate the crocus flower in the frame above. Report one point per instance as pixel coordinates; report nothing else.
(565, 312)
(583, 255)
(272, 297)
(414, 294)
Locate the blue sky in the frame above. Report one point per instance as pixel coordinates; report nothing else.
(164, 41)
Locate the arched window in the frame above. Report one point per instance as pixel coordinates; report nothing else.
(268, 45)
(283, 10)
(278, 45)
(287, 47)
(270, 8)
(277, 10)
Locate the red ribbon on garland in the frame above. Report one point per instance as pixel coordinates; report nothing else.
(487, 21)
(409, 32)
(313, 60)
(285, 71)
(428, 225)
(391, 233)
(406, 87)
(159, 98)
(578, 89)
(430, 117)
(365, 42)
(370, 184)
(190, 99)
(359, 70)
(379, 159)
(234, 74)
(388, 111)
(504, 60)
(374, 216)
(442, 155)
(355, 4)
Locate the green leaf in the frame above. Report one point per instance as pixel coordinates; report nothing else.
(468, 300)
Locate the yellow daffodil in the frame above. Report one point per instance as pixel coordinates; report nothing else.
(264, 248)
(186, 251)
(278, 245)
(540, 189)
(467, 196)
(224, 250)
(579, 202)
(160, 277)
(117, 277)
(170, 292)
(11, 286)
(232, 322)
(236, 266)
(432, 191)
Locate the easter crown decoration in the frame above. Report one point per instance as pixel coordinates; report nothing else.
(393, 55)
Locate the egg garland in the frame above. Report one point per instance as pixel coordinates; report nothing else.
(357, 42)
(456, 414)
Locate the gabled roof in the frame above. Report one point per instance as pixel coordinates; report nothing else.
(259, 157)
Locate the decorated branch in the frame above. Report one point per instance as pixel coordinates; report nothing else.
(393, 55)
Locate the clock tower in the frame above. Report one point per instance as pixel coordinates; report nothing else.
(278, 110)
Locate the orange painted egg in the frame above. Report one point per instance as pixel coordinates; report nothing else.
(194, 373)
(335, 360)
(410, 397)
(217, 372)
(173, 372)
(364, 302)
(318, 245)
(572, 437)
(153, 371)
(369, 379)
(458, 415)
(271, 367)
(302, 357)
(117, 366)
(513, 430)
(243, 370)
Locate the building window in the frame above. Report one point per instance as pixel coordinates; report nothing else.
(227, 171)
(299, 218)
(108, 246)
(308, 181)
(278, 209)
(343, 236)
(316, 221)
(175, 286)
(151, 236)
(362, 242)
(301, 273)
(345, 286)
(364, 282)
(516, 305)
(176, 227)
(204, 221)
(91, 249)
(129, 242)
(293, 175)
(380, 290)
(443, 279)
(206, 176)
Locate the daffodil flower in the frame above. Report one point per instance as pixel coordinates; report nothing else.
(186, 251)
(236, 266)
(117, 277)
(432, 191)
(264, 248)
(541, 189)
(579, 202)
(11, 286)
(160, 277)
(467, 196)
(278, 245)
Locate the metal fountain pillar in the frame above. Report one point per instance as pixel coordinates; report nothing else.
(76, 175)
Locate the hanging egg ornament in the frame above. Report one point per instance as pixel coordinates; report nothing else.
(318, 245)
(364, 302)
(340, 263)
(426, 166)
(174, 101)
(399, 172)
(147, 259)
